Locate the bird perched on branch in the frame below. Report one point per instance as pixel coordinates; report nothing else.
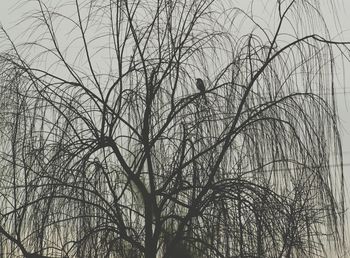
(200, 85)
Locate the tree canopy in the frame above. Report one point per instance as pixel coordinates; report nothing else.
(108, 149)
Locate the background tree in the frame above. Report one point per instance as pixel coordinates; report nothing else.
(109, 150)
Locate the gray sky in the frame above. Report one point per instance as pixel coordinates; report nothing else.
(9, 15)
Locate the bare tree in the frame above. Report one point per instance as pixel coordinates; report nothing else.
(109, 149)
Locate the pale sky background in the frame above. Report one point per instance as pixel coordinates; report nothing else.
(9, 15)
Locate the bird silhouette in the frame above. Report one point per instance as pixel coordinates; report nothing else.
(200, 85)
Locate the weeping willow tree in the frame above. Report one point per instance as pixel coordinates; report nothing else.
(108, 149)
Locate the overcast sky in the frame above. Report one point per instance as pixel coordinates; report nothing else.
(9, 14)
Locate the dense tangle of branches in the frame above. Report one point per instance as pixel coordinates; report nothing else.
(109, 150)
